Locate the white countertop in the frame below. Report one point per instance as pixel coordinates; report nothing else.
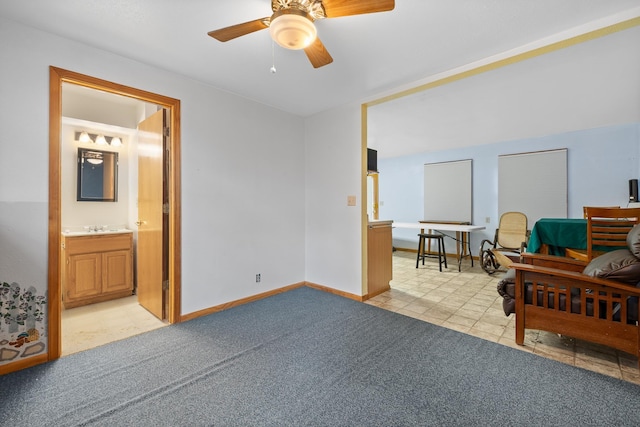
(95, 233)
(438, 226)
(380, 222)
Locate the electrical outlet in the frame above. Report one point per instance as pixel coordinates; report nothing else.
(487, 220)
(258, 277)
(351, 200)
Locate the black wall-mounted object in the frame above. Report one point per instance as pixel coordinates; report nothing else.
(372, 160)
(633, 190)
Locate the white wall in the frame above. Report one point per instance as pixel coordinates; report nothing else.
(333, 172)
(600, 163)
(242, 173)
(242, 192)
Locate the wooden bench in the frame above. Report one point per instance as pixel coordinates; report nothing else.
(552, 294)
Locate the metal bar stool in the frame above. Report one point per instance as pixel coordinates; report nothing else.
(442, 255)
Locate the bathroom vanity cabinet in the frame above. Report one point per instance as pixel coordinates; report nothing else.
(97, 267)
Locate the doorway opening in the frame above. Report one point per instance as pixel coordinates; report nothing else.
(167, 281)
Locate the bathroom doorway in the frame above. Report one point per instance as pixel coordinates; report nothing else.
(170, 283)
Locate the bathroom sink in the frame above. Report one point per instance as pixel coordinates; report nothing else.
(94, 232)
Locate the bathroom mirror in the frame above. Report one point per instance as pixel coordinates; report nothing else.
(97, 175)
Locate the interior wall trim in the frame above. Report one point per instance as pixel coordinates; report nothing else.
(552, 47)
(58, 76)
(252, 298)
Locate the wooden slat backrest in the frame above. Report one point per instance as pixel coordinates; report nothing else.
(609, 227)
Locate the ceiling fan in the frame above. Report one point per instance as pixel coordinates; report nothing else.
(291, 25)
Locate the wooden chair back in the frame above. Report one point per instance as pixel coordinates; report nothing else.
(609, 227)
(584, 209)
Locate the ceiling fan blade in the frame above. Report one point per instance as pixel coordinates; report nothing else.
(336, 8)
(229, 33)
(317, 54)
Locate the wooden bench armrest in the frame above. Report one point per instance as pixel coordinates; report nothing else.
(577, 278)
(553, 261)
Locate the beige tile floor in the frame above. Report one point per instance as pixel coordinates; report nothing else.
(93, 325)
(468, 302)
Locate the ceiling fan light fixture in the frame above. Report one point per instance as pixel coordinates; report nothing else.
(292, 29)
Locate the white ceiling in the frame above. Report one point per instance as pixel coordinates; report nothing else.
(373, 53)
(589, 85)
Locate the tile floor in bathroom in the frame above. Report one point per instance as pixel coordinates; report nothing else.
(93, 325)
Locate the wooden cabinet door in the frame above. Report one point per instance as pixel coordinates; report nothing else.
(99, 268)
(380, 259)
(117, 266)
(84, 278)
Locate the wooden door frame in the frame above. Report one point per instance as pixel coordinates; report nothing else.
(57, 76)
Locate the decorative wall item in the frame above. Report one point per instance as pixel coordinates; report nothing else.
(22, 325)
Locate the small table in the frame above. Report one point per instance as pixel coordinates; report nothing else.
(461, 238)
(553, 235)
(460, 229)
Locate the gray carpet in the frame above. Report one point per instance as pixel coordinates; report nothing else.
(309, 358)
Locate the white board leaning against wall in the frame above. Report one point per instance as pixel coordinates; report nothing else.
(448, 191)
(533, 183)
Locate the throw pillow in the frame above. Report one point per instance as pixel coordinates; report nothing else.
(633, 240)
(620, 265)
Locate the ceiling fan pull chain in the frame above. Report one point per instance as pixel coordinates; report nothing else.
(273, 57)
